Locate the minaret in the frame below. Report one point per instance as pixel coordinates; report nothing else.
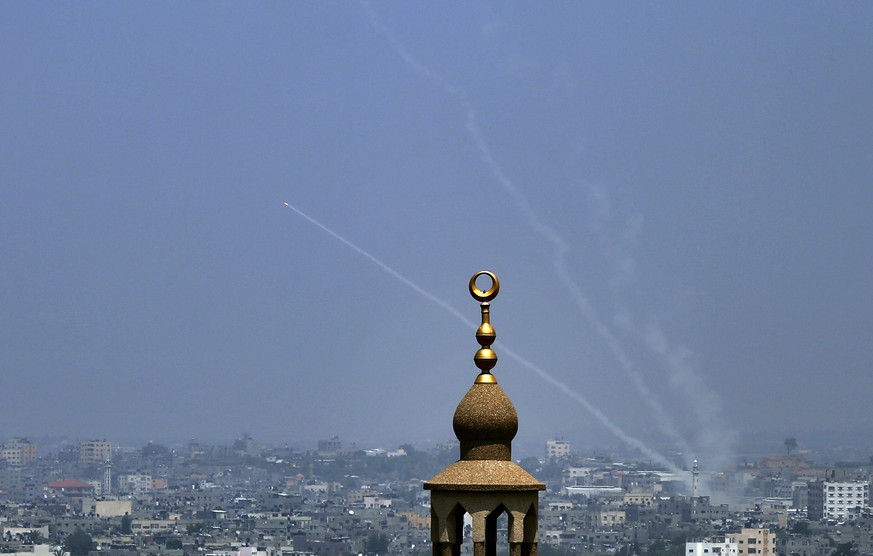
(695, 480)
(107, 479)
(485, 482)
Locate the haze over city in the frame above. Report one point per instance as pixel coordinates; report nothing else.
(225, 218)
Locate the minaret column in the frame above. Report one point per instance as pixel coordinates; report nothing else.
(480, 532)
(516, 533)
(447, 527)
(523, 528)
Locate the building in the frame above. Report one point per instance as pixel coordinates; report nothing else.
(485, 483)
(106, 508)
(70, 487)
(572, 475)
(137, 484)
(611, 518)
(800, 496)
(639, 499)
(815, 501)
(594, 491)
(702, 510)
(18, 451)
(761, 542)
(332, 446)
(708, 548)
(95, 451)
(842, 500)
(557, 449)
(246, 446)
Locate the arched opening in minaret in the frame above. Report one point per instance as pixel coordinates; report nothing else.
(497, 532)
(502, 539)
(484, 524)
(493, 540)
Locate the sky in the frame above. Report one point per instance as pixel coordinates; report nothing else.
(676, 198)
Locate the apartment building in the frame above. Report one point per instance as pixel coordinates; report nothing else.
(106, 508)
(844, 499)
(815, 500)
(18, 451)
(557, 449)
(750, 540)
(137, 484)
(95, 451)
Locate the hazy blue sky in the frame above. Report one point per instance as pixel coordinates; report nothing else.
(677, 198)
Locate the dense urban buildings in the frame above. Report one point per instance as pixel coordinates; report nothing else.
(200, 498)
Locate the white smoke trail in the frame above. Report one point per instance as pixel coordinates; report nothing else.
(559, 244)
(599, 415)
(383, 266)
(713, 441)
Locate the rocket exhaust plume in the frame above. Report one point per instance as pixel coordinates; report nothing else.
(539, 371)
(712, 437)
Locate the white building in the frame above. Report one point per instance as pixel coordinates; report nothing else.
(557, 449)
(594, 491)
(376, 501)
(137, 484)
(38, 550)
(707, 548)
(844, 499)
(573, 474)
(151, 526)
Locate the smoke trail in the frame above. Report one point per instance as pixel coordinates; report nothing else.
(384, 266)
(599, 415)
(559, 244)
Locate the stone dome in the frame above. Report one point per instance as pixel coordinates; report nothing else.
(485, 423)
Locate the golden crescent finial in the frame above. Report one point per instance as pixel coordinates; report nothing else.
(485, 357)
(488, 295)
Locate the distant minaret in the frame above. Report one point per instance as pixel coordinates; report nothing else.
(107, 478)
(695, 481)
